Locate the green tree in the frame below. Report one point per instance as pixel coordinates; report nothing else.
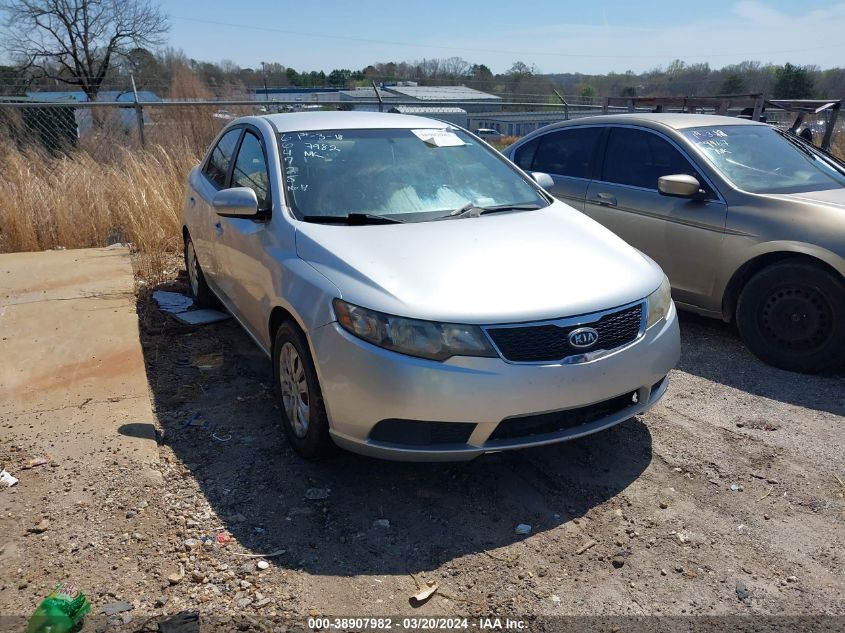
(482, 77)
(338, 77)
(520, 70)
(587, 90)
(148, 71)
(390, 71)
(732, 85)
(793, 82)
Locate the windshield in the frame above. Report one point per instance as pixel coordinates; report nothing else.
(413, 174)
(759, 160)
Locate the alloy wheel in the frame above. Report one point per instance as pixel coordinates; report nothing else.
(193, 269)
(294, 386)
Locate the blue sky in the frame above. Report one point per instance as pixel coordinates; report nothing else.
(592, 36)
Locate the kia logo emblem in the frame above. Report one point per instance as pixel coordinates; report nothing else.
(583, 337)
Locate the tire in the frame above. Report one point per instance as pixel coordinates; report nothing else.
(297, 387)
(792, 316)
(199, 289)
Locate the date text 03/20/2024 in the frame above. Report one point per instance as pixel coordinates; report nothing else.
(416, 624)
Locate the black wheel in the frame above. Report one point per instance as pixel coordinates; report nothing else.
(792, 316)
(303, 412)
(200, 291)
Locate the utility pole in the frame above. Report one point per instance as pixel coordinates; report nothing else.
(565, 105)
(378, 96)
(264, 76)
(139, 112)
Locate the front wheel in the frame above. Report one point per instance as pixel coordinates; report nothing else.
(303, 413)
(792, 316)
(200, 291)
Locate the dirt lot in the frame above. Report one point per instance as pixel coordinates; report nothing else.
(722, 500)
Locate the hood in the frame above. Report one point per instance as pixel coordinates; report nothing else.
(828, 197)
(498, 268)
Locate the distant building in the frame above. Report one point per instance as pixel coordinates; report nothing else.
(359, 95)
(450, 114)
(514, 123)
(54, 128)
(405, 93)
(297, 95)
(470, 99)
(125, 115)
(104, 95)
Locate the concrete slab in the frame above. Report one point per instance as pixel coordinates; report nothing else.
(72, 373)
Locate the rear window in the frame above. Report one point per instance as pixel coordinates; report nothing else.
(567, 152)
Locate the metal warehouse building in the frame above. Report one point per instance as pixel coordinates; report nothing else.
(456, 116)
(357, 95)
(470, 99)
(514, 123)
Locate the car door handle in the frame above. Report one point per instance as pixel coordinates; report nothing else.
(218, 227)
(605, 199)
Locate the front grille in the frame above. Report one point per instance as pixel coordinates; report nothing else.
(421, 433)
(550, 342)
(543, 423)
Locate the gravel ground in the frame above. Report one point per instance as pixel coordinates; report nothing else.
(722, 500)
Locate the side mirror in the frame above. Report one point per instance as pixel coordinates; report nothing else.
(237, 202)
(544, 180)
(679, 186)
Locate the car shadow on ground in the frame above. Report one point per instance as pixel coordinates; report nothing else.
(713, 350)
(212, 394)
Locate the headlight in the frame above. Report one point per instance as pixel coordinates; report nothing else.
(426, 339)
(659, 302)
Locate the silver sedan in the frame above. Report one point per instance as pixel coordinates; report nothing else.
(420, 297)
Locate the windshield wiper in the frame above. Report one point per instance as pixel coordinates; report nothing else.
(471, 210)
(353, 219)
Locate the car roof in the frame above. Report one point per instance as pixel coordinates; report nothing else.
(339, 120)
(674, 120)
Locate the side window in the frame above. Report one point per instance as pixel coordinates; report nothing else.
(251, 170)
(567, 152)
(218, 163)
(638, 158)
(524, 155)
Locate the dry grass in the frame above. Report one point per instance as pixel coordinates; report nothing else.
(76, 201)
(837, 146)
(107, 189)
(503, 142)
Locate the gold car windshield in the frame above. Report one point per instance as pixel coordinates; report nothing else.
(410, 174)
(757, 159)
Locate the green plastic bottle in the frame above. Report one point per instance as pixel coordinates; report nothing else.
(60, 612)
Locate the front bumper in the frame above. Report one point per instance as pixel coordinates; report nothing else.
(363, 384)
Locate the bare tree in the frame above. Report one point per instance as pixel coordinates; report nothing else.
(77, 41)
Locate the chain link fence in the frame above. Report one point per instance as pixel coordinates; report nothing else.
(78, 174)
(104, 127)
